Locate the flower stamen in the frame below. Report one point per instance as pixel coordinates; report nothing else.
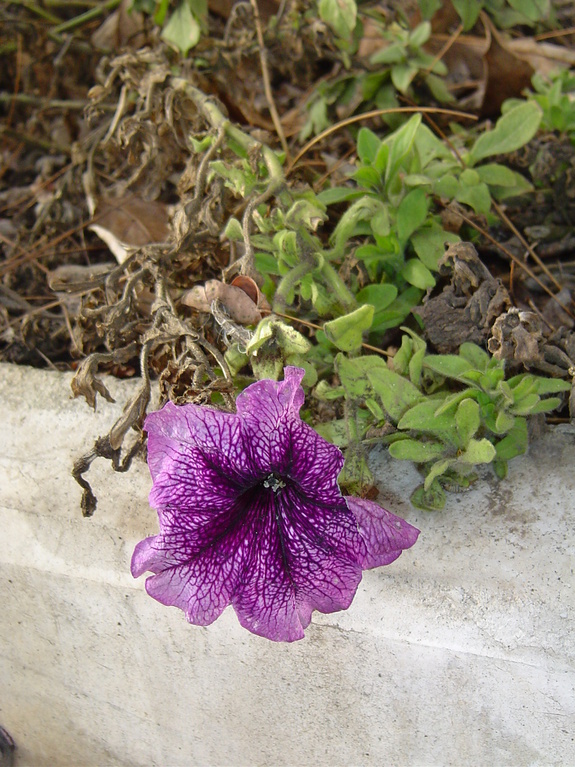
(274, 483)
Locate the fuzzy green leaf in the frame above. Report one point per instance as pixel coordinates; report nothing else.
(379, 296)
(340, 15)
(436, 470)
(478, 451)
(467, 419)
(432, 499)
(416, 450)
(468, 11)
(417, 274)
(475, 355)
(368, 145)
(353, 373)
(512, 131)
(347, 332)
(396, 393)
(448, 365)
(401, 143)
(411, 214)
(514, 443)
(182, 30)
(429, 243)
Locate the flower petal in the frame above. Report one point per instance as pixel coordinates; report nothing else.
(384, 534)
(305, 558)
(198, 562)
(315, 464)
(266, 410)
(217, 435)
(187, 479)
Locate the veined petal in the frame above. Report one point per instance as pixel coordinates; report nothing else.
(304, 558)
(267, 409)
(384, 534)
(197, 562)
(217, 435)
(187, 479)
(315, 464)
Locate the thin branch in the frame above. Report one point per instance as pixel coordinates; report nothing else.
(369, 115)
(266, 78)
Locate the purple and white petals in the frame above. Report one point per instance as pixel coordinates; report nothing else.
(251, 515)
(384, 534)
(267, 410)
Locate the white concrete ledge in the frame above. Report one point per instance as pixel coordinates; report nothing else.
(460, 653)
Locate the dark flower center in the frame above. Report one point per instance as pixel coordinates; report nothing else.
(273, 482)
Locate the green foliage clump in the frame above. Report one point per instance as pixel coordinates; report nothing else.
(446, 413)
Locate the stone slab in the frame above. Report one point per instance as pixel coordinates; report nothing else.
(460, 653)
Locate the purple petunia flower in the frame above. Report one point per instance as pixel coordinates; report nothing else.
(251, 515)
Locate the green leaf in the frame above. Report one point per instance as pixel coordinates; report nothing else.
(447, 186)
(420, 35)
(396, 393)
(455, 399)
(448, 365)
(416, 450)
(477, 197)
(379, 296)
(545, 405)
(525, 405)
(368, 145)
(514, 443)
(367, 176)
(340, 15)
(335, 432)
(432, 499)
(401, 143)
(411, 214)
(512, 131)
(355, 477)
(550, 385)
(416, 366)
(498, 175)
(417, 274)
(324, 392)
(468, 11)
(339, 194)
(478, 451)
(429, 243)
(436, 470)
(354, 373)
(402, 76)
(429, 7)
(422, 417)
(233, 230)
(347, 332)
(475, 355)
(503, 182)
(439, 89)
(504, 422)
(398, 310)
(391, 54)
(467, 419)
(182, 30)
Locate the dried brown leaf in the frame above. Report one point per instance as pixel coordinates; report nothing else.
(241, 308)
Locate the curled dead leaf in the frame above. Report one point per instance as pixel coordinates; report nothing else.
(130, 222)
(239, 304)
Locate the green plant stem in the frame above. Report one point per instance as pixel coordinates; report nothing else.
(289, 281)
(334, 281)
(82, 18)
(26, 98)
(44, 14)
